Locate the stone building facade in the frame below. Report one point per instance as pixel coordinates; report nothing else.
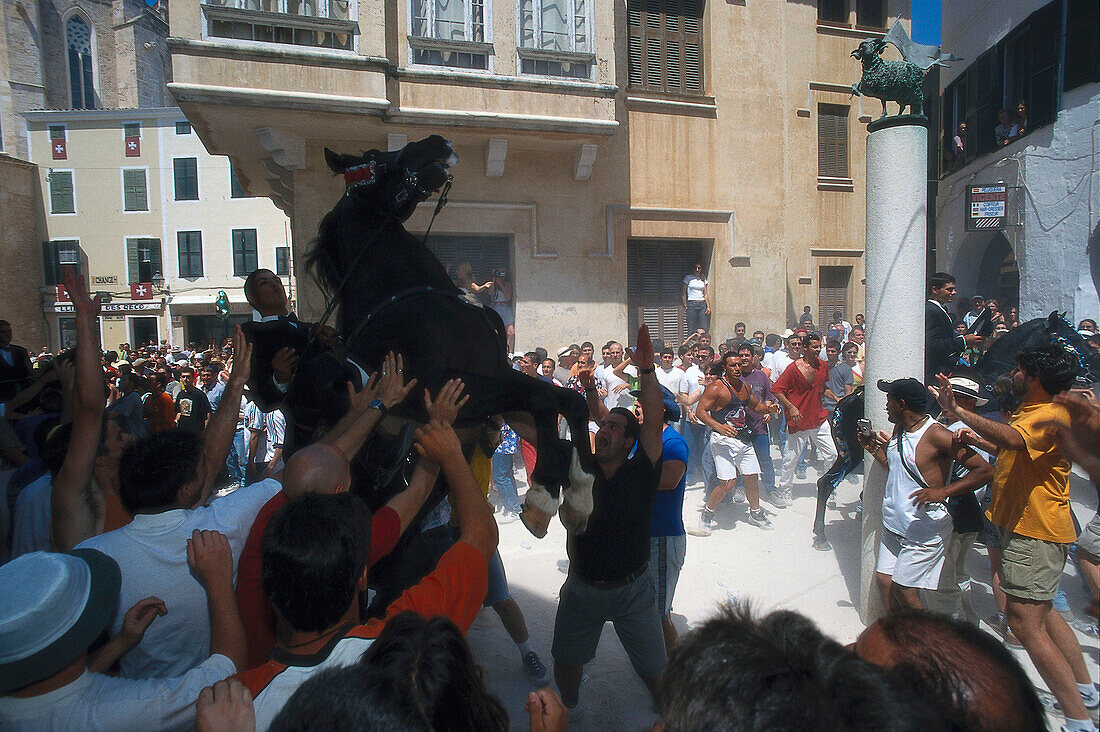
(605, 146)
(1046, 254)
(20, 216)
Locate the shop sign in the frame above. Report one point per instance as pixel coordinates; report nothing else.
(110, 307)
(986, 206)
(105, 280)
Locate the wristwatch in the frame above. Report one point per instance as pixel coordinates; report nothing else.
(379, 405)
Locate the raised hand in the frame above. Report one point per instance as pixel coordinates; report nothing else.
(83, 303)
(945, 395)
(642, 353)
(242, 358)
(437, 441)
(447, 403)
(390, 387)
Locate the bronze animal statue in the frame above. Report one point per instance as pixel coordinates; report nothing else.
(893, 81)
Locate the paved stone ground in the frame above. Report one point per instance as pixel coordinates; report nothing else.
(770, 569)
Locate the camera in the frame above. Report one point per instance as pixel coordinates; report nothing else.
(863, 426)
(500, 273)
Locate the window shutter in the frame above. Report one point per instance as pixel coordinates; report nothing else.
(664, 45)
(1082, 54)
(832, 141)
(155, 260)
(132, 263)
(50, 268)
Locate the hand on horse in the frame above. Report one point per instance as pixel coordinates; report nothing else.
(437, 441)
(282, 363)
(242, 359)
(1084, 413)
(447, 403)
(945, 395)
(390, 387)
(642, 353)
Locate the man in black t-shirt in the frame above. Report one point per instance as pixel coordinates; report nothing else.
(192, 406)
(607, 579)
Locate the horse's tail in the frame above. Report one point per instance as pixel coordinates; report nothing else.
(322, 259)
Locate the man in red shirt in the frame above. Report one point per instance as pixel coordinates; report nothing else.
(799, 389)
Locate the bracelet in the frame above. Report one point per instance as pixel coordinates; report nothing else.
(643, 370)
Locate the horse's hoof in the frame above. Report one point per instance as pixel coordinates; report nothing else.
(574, 521)
(822, 544)
(537, 522)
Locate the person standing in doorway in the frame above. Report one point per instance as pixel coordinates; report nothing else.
(695, 296)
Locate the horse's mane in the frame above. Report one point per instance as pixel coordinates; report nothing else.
(323, 258)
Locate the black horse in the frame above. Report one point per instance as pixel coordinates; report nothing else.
(395, 295)
(999, 359)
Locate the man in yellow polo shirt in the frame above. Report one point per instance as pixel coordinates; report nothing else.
(1031, 510)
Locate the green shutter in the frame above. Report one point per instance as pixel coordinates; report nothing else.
(155, 259)
(132, 265)
(50, 268)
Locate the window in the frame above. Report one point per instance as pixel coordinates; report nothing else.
(832, 141)
(62, 200)
(57, 132)
(282, 261)
(832, 292)
(78, 37)
(450, 33)
(189, 245)
(134, 194)
(665, 45)
(869, 14)
(554, 38)
(832, 11)
(183, 128)
(57, 254)
(1031, 65)
(245, 260)
(1082, 50)
(186, 172)
(483, 253)
(143, 261)
(131, 129)
(655, 274)
(235, 190)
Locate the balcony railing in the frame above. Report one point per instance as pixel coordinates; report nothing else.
(313, 23)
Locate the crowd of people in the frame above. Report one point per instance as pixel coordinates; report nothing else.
(1012, 124)
(169, 566)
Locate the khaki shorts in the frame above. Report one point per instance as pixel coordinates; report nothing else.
(1088, 542)
(1032, 567)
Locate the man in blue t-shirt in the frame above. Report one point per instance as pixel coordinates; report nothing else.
(667, 538)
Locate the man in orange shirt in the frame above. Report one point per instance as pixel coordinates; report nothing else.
(1032, 513)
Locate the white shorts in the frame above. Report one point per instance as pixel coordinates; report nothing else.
(909, 563)
(732, 457)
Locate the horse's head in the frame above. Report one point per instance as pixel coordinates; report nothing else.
(393, 183)
(1065, 335)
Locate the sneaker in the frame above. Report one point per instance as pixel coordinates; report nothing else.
(707, 524)
(776, 499)
(787, 495)
(739, 494)
(507, 517)
(800, 473)
(535, 670)
(759, 518)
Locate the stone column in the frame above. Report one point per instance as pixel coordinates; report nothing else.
(897, 195)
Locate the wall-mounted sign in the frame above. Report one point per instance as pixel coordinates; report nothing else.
(109, 307)
(105, 280)
(986, 207)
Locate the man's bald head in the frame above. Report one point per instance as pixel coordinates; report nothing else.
(316, 469)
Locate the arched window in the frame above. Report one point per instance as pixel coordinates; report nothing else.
(79, 39)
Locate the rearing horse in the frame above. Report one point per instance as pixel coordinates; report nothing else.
(395, 295)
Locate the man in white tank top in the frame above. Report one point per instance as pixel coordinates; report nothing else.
(915, 521)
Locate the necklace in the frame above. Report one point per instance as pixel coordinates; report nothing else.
(314, 640)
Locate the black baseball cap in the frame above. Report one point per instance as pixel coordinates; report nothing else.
(909, 390)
